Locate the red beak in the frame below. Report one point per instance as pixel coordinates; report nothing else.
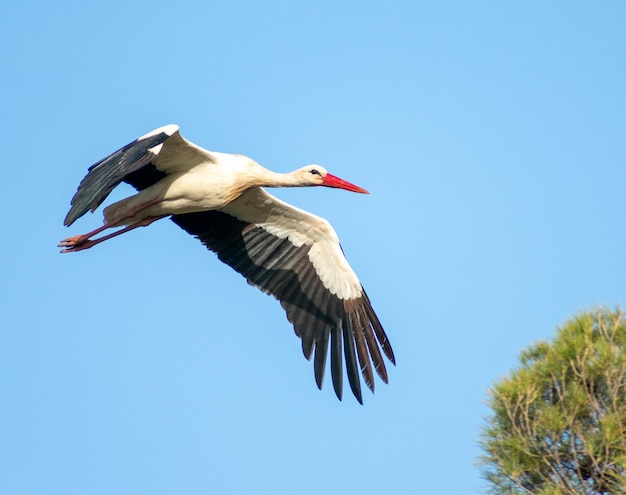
(332, 181)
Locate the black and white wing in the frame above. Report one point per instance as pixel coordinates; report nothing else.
(141, 164)
(296, 257)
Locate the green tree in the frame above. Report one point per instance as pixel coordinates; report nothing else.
(558, 422)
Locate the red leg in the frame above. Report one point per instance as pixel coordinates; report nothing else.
(71, 247)
(73, 243)
(85, 243)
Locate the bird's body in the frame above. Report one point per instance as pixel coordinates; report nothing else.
(285, 251)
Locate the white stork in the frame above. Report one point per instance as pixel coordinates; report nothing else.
(284, 251)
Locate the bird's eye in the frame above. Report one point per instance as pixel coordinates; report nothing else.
(314, 171)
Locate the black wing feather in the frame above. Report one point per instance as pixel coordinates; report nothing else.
(321, 352)
(284, 270)
(351, 366)
(361, 347)
(335, 359)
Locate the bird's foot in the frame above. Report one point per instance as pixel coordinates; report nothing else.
(76, 243)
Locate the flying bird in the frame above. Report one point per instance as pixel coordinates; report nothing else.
(284, 251)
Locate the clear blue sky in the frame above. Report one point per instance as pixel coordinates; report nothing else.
(491, 136)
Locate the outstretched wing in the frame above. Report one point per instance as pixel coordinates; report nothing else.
(296, 257)
(141, 164)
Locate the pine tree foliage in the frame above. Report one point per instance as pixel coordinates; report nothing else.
(558, 422)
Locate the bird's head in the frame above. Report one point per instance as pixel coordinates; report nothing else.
(316, 175)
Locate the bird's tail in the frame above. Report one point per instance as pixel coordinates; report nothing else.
(116, 211)
(126, 212)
